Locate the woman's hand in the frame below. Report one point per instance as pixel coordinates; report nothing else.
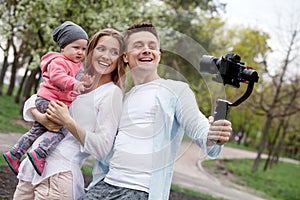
(42, 118)
(219, 131)
(58, 112)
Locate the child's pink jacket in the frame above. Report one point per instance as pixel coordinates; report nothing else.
(59, 78)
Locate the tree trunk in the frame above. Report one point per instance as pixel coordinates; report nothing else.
(278, 147)
(2, 74)
(4, 66)
(262, 144)
(273, 146)
(13, 78)
(14, 67)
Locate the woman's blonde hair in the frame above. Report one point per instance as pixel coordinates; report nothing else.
(118, 75)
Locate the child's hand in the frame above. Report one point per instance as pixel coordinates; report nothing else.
(87, 81)
(84, 85)
(80, 88)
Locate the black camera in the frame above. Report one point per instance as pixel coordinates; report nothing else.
(229, 70)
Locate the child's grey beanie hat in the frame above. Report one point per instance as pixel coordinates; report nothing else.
(67, 33)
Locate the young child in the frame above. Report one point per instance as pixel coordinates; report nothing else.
(58, 71)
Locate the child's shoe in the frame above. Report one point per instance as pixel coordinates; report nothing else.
(37, 162)
(12, 162)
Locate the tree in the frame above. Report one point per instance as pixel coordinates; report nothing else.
(31, 23)
(8, 13)
(278, 102)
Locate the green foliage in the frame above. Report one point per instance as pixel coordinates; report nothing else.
(244, 120)
(34, 21)
(281, 182)
(252, 44)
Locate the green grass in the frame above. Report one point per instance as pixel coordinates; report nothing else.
(193, 193)
(235, 145)
(87, 170)
(2, 161)
(9, 112)
(281, 182)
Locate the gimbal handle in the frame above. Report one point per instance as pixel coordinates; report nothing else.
(221, 109)
(222, 106)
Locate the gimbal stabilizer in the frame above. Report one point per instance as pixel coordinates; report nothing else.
(229, 71)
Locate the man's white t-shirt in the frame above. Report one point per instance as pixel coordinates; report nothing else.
(129, 167)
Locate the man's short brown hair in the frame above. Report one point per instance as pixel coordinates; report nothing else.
(138, 28)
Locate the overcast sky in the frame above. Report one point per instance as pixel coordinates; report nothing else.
(261, 13)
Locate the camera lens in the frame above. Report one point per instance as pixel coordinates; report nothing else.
(250, 75)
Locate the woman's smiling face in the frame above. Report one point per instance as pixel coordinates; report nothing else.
(106, 54)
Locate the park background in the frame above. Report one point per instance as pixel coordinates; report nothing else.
(267, 39)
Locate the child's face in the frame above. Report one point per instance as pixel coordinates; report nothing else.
(75, 51)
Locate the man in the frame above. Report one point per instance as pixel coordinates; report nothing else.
(156, 114)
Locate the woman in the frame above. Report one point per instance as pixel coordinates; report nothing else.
(94, 114)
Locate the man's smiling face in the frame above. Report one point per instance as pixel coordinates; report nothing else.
(142, 51)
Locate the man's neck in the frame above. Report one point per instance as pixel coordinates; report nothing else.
(142, 77)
